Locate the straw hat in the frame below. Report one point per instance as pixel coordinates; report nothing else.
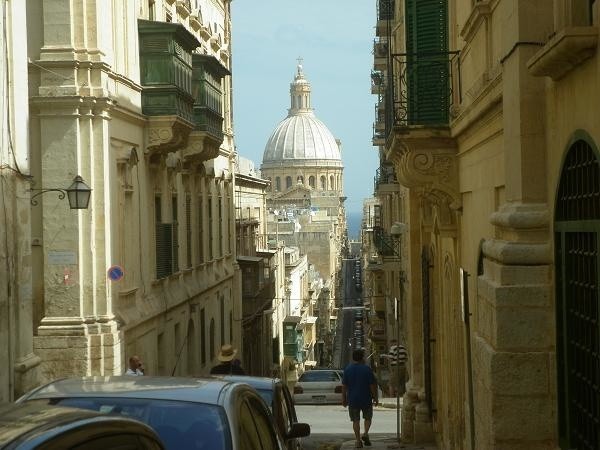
(227, 353)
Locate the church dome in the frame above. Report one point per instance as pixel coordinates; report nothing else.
(301, 136)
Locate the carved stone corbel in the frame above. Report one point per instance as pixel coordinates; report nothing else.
(201, 147)
(426, 159)
(167, 134)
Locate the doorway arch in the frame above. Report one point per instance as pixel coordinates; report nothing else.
(576, 243)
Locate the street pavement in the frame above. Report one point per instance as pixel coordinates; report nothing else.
(379, 442)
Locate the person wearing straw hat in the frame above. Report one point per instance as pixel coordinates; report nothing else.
(226, 367)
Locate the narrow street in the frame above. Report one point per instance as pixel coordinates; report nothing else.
(330, 425)
(351, 298)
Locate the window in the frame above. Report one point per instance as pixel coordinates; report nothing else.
(220, 213)
(175, 223)
(331, 183)
(311, 181)
(188, 230)
(191, 349)
(277, 184)
(210, 228)
(200, 229)
(161, 354)
(222, 317)
(323, 183)
(288, 182)
(177, 346)
(164, 236)
(151, 10)
(202, 337)
(211, 338)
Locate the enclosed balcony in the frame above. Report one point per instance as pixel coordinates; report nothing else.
(377, 82)
(380, 53)
(385, 17)
(166, 78)
(207, 80)
(384, 175)
(386, 244)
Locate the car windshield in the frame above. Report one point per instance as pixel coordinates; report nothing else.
(319, 375)
(179, 424)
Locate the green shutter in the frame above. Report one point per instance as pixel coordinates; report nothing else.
(428, 72)
(164, 254)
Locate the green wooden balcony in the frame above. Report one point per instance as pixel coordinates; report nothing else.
(208, 73)
(166, 69)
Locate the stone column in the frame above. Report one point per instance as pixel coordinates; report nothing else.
(77, 334)
(513, 343)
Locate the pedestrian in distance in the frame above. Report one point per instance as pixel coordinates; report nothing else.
(227, 366)
(359, 393)
(136, 367)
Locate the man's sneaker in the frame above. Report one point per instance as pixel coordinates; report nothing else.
(366, 439)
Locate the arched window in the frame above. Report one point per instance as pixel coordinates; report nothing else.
(331, 183)
(323, 183)
(211, 339)
(577, 247)
(288, 182)
(311, 181)
(277, 184)
(192, 339)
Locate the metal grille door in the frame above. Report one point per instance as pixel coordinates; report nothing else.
(578, 299)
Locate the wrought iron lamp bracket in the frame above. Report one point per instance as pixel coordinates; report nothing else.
(61, 194)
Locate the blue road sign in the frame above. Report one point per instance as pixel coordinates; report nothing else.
(115, 273)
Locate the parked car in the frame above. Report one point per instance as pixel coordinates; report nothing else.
(277, 395)
(187, 413)
(319, 386)
(34, 426)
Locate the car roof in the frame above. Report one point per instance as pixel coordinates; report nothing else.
(263, 383)
(31, 421)
(201, 390)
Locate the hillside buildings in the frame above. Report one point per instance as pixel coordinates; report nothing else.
(302, 161)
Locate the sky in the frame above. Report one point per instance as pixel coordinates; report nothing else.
(334, 38)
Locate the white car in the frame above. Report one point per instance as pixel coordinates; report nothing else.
(319, 386)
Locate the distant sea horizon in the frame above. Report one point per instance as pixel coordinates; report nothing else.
(353, 219)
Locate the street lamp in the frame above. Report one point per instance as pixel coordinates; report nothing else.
(78, 194)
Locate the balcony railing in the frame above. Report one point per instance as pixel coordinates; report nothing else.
(385, 9)
(423, 88)
(385, 175)
(386, 244)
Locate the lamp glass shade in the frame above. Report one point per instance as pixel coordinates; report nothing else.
(78, 194)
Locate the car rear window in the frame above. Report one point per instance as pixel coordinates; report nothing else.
(179, 424)
(319, 375)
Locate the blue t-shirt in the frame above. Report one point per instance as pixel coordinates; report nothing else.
(358, 379)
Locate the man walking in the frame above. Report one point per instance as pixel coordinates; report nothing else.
(359, 393)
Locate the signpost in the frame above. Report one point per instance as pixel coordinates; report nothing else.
(115, 273)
